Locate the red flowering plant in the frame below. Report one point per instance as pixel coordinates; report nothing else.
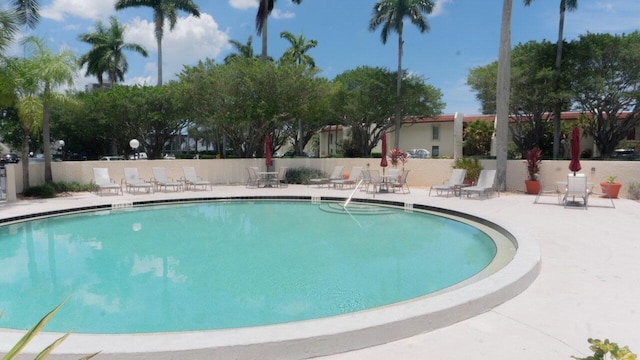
(398, 156)
(534, 158)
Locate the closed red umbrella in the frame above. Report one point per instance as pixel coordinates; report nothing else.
(574, 165)
(267, 151)
(383, 160)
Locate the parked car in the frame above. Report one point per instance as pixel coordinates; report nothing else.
(112, 158)
(9, 159)
(419, 153)
(625, 154)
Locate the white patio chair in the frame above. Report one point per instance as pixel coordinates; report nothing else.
(134, 183)
(192, 179)
(281, 181)
(576, 188)
(354, 176)
(102, 181)
(401, 183)
(161, 180)
(455, 181)
(336, 174)
(484, 187)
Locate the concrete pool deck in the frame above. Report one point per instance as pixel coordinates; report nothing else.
(587, 286)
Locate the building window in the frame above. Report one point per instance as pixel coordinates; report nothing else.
(436, 132)
(435, 150)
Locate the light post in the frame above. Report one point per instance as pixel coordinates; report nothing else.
(60, 146)
(134, 143)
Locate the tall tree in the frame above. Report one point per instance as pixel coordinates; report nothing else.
(297, 52)
(390, 14)
(264, 10)
(570, 5)
(244, 51)
(503, 90)
(107, 51)
(365, 101)
(20, 90)
(54, 70)
(162, 9)
(605, 80)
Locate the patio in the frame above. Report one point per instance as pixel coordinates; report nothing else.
(587, 286)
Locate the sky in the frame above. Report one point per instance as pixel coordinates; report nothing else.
(463, 34)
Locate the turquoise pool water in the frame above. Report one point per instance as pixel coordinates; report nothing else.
(222, 265)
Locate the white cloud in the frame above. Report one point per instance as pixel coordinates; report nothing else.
(243, 4)
(277, 14)
(86, 9)
(438, 8)
(191, 40)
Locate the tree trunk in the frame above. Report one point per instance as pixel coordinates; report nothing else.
(25, 161)
(503, 91)
(159, 24)
(398, 90)
(46, 142)
(264, 55)
(557, 110)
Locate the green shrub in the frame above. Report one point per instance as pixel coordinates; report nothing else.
(62, 187)
(634, 191)
(303, 175)
(52, 189)
(44, 191)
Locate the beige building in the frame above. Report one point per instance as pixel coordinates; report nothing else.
(436, 134)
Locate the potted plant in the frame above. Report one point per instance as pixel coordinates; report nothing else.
(534, 158)
(610, 187)
(473, 167)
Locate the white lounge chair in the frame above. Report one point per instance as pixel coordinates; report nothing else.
(354, 176)
(161, 180)
(102, 181)
(484, 187)
(336, 174)
(576, 188)
(192, 179)
(134, 183)
(456, 179)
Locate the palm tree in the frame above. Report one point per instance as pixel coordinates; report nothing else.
(297, 53)
(390, 14)
(106, 54)
(24, 12)
(20, 90)
(8, 29)
(54, 70)
(27, 12)
(570, 5)
(162, 9)
(264, 10)
(503, 91)
(245, 51)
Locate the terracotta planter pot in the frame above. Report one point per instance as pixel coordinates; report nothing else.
(533, 186)
(614, 189)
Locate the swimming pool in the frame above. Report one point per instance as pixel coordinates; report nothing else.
(221, 265)
(337, 333)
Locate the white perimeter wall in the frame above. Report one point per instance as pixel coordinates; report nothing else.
(424, 172)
